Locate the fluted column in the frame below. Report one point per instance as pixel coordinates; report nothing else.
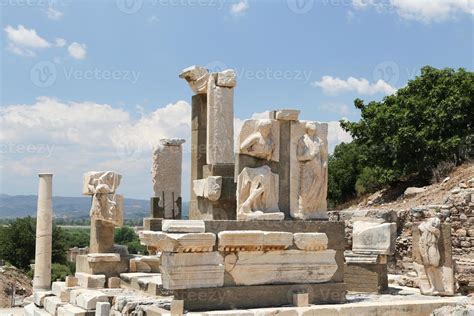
(44, 232)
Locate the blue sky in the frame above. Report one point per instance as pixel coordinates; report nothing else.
(94, 84)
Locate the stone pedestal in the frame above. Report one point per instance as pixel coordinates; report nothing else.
(102, 236)
(44, 239)
(365, 273)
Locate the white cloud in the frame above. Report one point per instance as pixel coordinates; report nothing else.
(23, 41)
(334, 86)
(420, 10)
(53, 14)
(239, 7)
(341, 109)
(336, 135)
(77, 51)
(60, 42)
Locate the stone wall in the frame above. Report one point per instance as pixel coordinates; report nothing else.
(457, 209)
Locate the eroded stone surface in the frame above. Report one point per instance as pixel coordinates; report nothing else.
(249, 240)
(287, 115)
(209, 188)
(103, 257)
(374, 238)
(257, 195)
(197, 78)
(186, 242)
(88, 299)
(192, 270)
(308, 170)
(280, 267)
(226, 78)
(100, 182)
(183, 226)
(87, 280)
(311, 241)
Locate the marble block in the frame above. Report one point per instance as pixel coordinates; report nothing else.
(100, 182)
(103, 257)
(62, 291)
(71, 310)
(102, 309)
(209, 188)
(352, 257)
(249, 240)
(187, 242)
(260, 139)
(257, 195)
(40, 295)
(192, 270)
(88, 299)
(220, 123)
(183, 226)
(51, 304)
(311, 241)
(308, 170)
(373, 237)
(287, 115)
(197, 78)
(87, 280)
(280, 267)
(226, 78)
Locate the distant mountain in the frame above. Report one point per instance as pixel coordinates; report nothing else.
(12, 206)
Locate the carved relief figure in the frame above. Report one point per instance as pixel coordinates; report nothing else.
(429, 251)
(313, 171)
(259, 144)
(257, 194)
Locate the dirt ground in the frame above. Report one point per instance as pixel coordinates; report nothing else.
(9, 277)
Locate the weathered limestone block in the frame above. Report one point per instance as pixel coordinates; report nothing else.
(62, 291)
(352, 257)
(71, 281)
(254, 240)
(86, 280)
(44, 233)
(149, 264)
(51, 304)
(102, 309)
(89, 299)
(113, 282)
(197, 78)
(260, 139)
(373, 237)
(308, 170)
(39, 296)
(301, 299)
(257, 195)
(226, 78)
(103, 257)
(192, 270)
(311, 241)
(183, 226)
(280, 267)
(71, 310)
(100, 182)
(166, 175)
(187, 242)
(220, 123)
(209, 188)
(287, 115)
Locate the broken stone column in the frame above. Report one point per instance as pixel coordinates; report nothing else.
(166, 176)
(106, 209)
(44, 233)
(212, 148)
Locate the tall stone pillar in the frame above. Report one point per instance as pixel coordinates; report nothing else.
(44, 233)
(166, 175)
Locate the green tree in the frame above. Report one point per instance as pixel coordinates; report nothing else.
(409, 133)
(126, 236)
(17, 243)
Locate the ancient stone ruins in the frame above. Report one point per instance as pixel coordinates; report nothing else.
(258, 234)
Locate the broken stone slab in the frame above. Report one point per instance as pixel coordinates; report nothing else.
(226, 78)
(62, 291)
(251, 240)
(183, 226)
(87, 280)
(103, 257)
(100, 182)
(311, 241)
(352, 257)
(188, 242)
(40, 295)
(145, 264)
(88, 299)
(280, 267)
(286, 115)
(51, 304)
(192, 270)
(71, 310)
(209, 188)
(374, 238)
(197, 78)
